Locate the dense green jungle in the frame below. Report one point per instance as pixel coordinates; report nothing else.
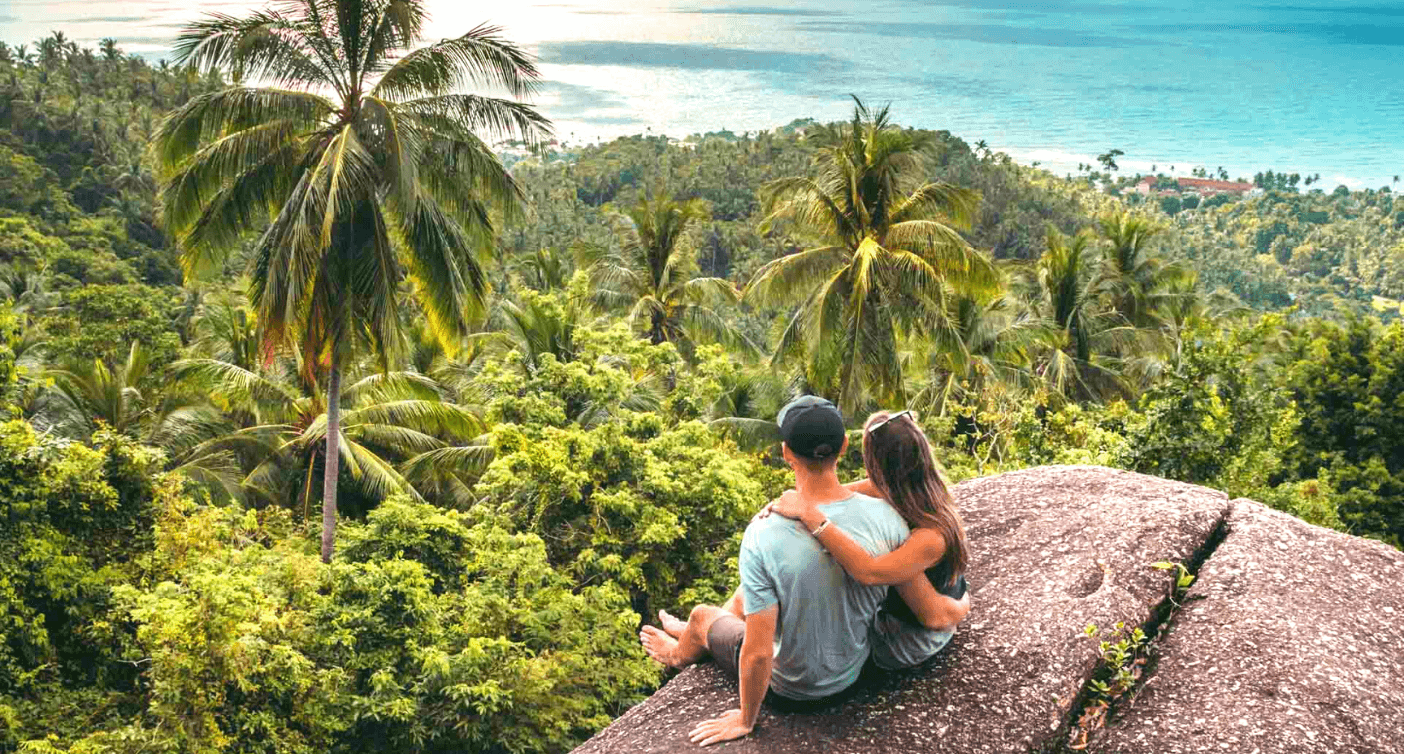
(551, 372)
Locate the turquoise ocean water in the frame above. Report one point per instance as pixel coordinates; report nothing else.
(1310, 86)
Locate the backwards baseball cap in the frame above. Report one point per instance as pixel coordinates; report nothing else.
(812, 427)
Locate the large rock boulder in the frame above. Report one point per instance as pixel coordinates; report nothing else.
(1290, 640)
(1054, 549)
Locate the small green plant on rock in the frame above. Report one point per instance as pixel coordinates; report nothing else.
(1121, 659)
(1183, 579)
(1123, 656)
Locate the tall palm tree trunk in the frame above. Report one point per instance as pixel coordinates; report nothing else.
(333, 461)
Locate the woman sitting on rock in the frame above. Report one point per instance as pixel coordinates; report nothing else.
(913, 623)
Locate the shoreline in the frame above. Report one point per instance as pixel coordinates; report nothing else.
(1056, 160)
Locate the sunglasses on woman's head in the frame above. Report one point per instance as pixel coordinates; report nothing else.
(898, 415)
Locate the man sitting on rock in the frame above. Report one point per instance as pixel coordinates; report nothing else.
(791, 587)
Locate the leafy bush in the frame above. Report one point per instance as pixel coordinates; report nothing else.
(77, 520)
(9, 373)
(430, 634)
(653, 501)
(1345, 381)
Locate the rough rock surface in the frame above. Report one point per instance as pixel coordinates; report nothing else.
(1290, 641)
(1054, 548)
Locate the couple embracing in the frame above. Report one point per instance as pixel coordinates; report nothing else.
(834, 578)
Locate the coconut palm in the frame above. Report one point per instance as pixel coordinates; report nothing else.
(94, 393)
(542, 328)
(546, 270)
(358, 162)
(1062, 287)
(89, 396)
(24, 288)
(1130, 276)
(651, 272)
(1181, 307)
(226, 329)
(536, 325)
(991, 341)
(31, 396)
(884, 253)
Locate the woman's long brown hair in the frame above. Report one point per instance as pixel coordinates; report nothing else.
(899, 463)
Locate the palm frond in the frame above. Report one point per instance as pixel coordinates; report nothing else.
(214, 115)
(443, 260)
(374, 475)
(435, 417)
(782, 280)
(468, 461)
(480, 58)
(502, 118)
(956, 205)
(241, 387)
(383, 386)
(750, 434)
(809, 205)
(399, 440)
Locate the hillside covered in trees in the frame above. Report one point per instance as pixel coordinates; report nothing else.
(548, 389)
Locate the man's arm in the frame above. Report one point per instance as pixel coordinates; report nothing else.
(757, 654)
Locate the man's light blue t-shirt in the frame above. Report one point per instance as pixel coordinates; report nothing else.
(822, 634)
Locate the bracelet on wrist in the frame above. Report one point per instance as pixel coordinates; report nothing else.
(821, 528)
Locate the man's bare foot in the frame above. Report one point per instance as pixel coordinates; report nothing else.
(671, 625)
(659, 646)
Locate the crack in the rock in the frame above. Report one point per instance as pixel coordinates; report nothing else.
(1161, 620)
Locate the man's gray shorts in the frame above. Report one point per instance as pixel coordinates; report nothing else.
(724, 642)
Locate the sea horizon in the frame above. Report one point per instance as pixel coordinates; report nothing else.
(1307, 87)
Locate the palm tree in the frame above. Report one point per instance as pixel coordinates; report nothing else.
(31, 395)
(1131, 278)
(95, 393)
(1183, 306)
(541, 327)
(990, 342)
(366, 160)
(546, 270)
(885, 252)
(537, 325)
(650, 275)
(226, 329)
(110, 52)
(87, 397)
(24, 288)
(1062, 287)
